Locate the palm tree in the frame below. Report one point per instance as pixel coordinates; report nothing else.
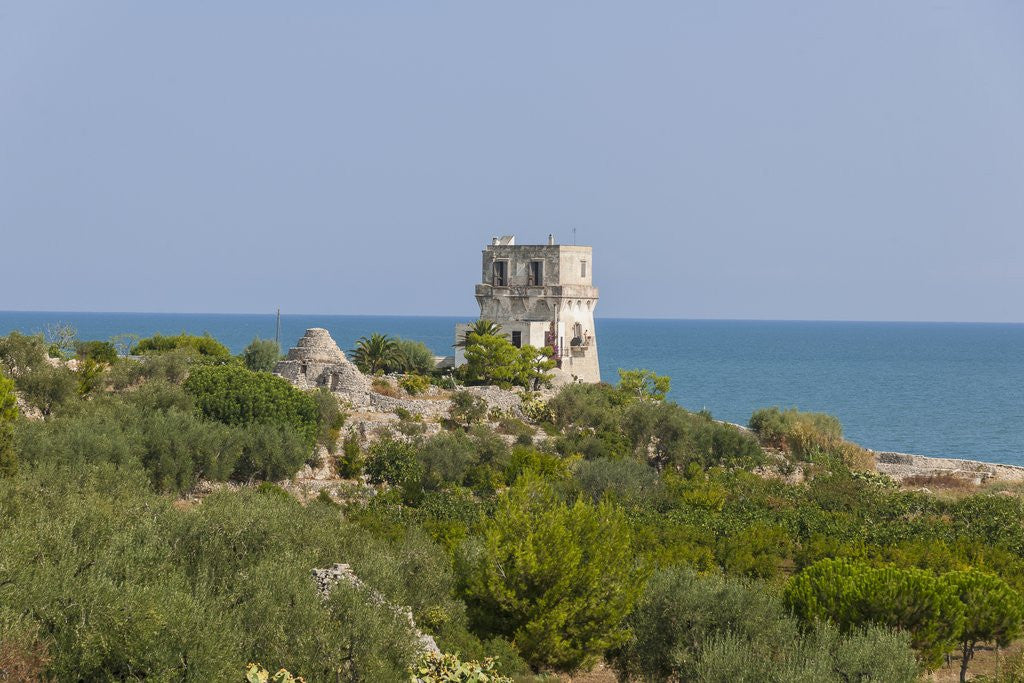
(482, 327)
(375, 354)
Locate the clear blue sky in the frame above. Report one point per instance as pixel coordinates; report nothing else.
(811, 160)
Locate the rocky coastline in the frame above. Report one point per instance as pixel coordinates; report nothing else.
(908, 468)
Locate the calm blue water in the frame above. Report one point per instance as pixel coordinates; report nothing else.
(931, 388)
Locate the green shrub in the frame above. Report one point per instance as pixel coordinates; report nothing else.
(271, 452)
(670, 435)
(22, 354)
(168, 366)
(104, 580)
(157, 396)
(175, 446)
(350, 461)
(626, 481)
(808, 436)
(446, 459)
(467, 409)
(412, 357)
(644, 384)
(204, 345)
(680, 611)
(600, 421)
(178, 449)
(757, 550)
(48, 388)
(237, 396)
(393, 462)
(597, 407)
(493, 360)
(261, 355)
(99, 351)
(689, 626)
(90, 376)
(331, 419)
(525, 460)
(8, 414)
(90, 566)
(414, 384)
(822, 656)
(854, 595)
(557, 579)
(522, 432)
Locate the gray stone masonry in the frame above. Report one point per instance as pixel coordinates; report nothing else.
(316, 361)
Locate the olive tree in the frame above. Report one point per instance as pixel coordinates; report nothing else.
(261, 355)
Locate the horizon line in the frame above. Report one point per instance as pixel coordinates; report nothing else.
(602, 317)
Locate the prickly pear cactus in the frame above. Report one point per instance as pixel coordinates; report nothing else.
(257, 674)
(446, 668)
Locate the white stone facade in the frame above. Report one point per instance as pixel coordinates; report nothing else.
(542, 295)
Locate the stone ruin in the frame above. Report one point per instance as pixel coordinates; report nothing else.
(316, 361)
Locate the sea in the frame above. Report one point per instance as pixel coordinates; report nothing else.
(940, 389)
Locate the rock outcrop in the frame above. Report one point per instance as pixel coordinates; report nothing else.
(316, 361)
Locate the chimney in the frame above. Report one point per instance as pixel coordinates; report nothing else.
(494, 240)
(551, 239)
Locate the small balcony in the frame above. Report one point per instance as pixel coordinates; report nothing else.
(579, 346)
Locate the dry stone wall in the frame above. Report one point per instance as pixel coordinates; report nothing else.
(327, 578)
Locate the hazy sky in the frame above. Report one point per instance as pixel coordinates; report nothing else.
(857, 160)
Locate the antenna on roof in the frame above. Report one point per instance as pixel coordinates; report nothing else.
(277, 334)
(574, 237)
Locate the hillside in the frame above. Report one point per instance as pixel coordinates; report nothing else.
(162, 517)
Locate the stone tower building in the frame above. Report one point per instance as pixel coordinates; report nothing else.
(541, 295)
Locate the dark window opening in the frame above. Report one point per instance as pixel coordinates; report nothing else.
(583, 268)
(517, 339)
(536, 275)
(499, 274)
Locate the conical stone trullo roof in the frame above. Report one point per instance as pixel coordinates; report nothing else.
(317, 346)
(316, 361)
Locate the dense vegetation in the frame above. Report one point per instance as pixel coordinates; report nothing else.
(380, 353)
(608, 523)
